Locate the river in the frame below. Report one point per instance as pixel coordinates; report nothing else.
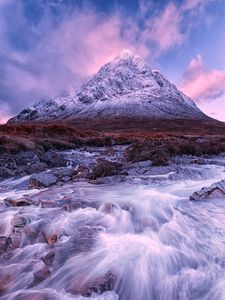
(128, 241)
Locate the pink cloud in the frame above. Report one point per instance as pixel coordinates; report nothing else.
(201, 84)
(4, 118)
(206, 87)
(171, 27)
(4, 113)
(193, 4)
(165, 29)
(65, 55)
(214, 108)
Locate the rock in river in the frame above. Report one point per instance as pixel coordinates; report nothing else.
(41, 180)
(216, 190)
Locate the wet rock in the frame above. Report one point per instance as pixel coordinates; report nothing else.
(5, 243)
(42, 180)
(109, 179)
(6, 172)
(108, 207)
(107, 283)
(27, 158)
(49, 258)
(23, 201)
(87, 236)
(20, 221)
(32, 234)
(81, 172)
(49, 178)
(158, 154)
(160, 157)
(66, 178)
(105, 168)
(41, 275)
(47, 203)
(51, 239)
(82, 240)
(62, 173)
(53, 159)
(216, 190)
(37, 167)
(95, 286)
(139, 168)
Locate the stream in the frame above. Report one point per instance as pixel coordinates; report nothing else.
(128, 241)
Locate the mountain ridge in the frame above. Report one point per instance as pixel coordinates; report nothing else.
(127, 87)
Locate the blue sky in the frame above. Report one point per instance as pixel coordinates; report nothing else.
(49, 46)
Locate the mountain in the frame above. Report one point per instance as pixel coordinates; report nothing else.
(126, 86)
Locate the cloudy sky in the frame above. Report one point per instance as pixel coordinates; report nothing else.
(49, 46)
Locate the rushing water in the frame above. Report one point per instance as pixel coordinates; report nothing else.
(140, 241)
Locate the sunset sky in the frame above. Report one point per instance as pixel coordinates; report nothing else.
(49, 46)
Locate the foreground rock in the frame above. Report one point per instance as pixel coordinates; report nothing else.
(42, 180)
(138, 152)
(23, 201)
(216, 190)
(29, 162)
(105, 168)
(49, 178)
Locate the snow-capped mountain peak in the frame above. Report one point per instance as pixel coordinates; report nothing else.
(125, 74)
(126, 86)
(128, 61)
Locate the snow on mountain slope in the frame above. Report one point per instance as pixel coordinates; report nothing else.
(125, 86)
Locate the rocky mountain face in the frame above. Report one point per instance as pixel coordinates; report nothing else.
(126, 86)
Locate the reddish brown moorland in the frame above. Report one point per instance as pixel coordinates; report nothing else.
(68, 134)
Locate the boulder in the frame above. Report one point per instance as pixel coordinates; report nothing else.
(53, 159)
(42, 180)
(26, 158)
(63, 172)
(105, 168)
(49, 178)
(49, 258)
(41, 275)
(36, 168)
(158, 154)
(81, 172)
(97, 286)
(216, 190)
(23, 201)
